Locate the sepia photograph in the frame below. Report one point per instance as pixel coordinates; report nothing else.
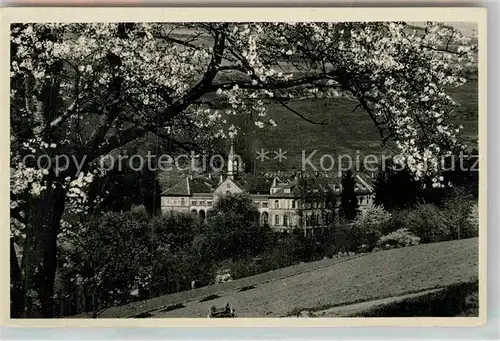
(259, 169)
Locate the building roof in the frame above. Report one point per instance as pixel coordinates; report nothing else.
(180, 188)
(200, 185)
(254, 184)
(262, 185)
(192, 184)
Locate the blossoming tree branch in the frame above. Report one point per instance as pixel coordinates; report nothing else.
(88, 90)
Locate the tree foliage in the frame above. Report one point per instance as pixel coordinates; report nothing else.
(348, 199)
(396, 188)
(105, 261)
(233, 230)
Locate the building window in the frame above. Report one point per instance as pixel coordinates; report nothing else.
(193, 202)
(202, 203)
(285, 220)
(265, 217)
(287, 190)
(209, 203)
(276, 204)
(264, 204)
(308, 220)
(182, 202)
(293, 203)
(276, 220)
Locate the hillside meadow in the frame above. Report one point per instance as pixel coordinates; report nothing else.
(377, 275)
(345, 131)
(322, 285)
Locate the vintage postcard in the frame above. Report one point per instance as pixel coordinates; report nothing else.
(243, 166)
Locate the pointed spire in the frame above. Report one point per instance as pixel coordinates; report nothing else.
(230, 162)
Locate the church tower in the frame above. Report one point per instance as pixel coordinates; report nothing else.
(233, 161)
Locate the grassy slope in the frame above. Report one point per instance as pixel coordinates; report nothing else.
(377, 275)
(247, 282)
(345, 131)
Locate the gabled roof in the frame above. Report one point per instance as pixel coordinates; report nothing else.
(227, 181)
(180, 188)
(365, 180)
(192, 185)
(200, 185)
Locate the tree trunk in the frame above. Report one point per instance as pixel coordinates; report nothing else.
(40, 254)
(16, 282)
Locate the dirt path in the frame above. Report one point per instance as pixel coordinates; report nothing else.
(354, 308)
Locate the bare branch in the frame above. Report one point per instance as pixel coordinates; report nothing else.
(297, 113)
(186, 43)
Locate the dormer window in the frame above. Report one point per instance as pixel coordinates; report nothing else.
(287, 190)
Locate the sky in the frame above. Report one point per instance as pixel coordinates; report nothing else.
(466, 27)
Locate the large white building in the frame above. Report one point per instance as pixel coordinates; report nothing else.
(279, 201)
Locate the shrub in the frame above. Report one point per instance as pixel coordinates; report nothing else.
(284, 252)
(398, 238)
(457, 211)
(428, 222)
(370, 223)
(457, 218)
(473, 220)
(344, 236)
(373, 216)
